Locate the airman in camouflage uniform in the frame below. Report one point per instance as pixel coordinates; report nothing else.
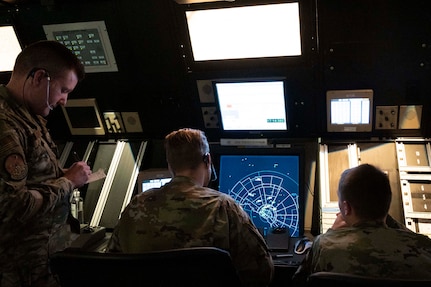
(361, 242)
(185, 213)
(34, 190)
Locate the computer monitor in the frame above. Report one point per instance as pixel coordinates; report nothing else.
(268, 184)
(83, 117)
(9, 49)
(349, 110)
(244, 32)
(153, 178)
(251, 106)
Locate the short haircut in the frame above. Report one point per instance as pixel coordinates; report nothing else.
(50, 55)
(186, 148)
(367, 189)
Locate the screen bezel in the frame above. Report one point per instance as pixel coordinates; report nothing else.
(217, 151)
(222, 45)
(84, 39)
(306, 18)
(349, 94)
(97, 130)
(251, 133)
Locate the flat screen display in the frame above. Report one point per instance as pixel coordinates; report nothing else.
(251, 105)
(153, 178)
(269, 30)
(83, 117)
(267, 186)
(154, 183)
(9, 48)
(349, 110)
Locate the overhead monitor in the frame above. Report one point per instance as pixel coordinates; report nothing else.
(9, 48)
(349, 110)
(89, 41)
(251, 107)
(83, 117)
(255, 31)
(268, 184)
(153, 178)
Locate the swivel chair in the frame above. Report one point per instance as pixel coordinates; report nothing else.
(341, 279)
(199, 266)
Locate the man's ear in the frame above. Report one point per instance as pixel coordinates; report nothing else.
(38, 75)
(347, 208)
(207, 158)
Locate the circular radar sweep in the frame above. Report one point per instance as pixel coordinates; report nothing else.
(270, 198)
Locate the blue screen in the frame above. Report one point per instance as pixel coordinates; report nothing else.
(267, 188)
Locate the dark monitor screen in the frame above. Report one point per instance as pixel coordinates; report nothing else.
(268, 186)
(83, 117)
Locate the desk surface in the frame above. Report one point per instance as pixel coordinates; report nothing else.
(285, 267)
(288, 258)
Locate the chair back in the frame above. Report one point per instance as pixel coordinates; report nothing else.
(342, 279)
(200, 266)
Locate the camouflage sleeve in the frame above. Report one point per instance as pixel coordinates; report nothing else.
(248, 248)
(22, 198)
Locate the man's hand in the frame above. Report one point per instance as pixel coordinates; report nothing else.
(339, 222)
(78, 173)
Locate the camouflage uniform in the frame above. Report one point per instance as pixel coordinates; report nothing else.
(29, 171)
(371, 249)
(182, 214)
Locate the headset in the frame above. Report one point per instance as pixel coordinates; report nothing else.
(34, 70)
(48, 78)
(213, 172)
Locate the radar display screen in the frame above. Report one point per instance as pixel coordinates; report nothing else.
(267, 188)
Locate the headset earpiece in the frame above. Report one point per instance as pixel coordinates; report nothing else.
(34, 70)
(206, 158)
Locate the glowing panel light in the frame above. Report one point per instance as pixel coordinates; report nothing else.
(89, 41)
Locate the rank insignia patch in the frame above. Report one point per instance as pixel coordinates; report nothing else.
(15, 166)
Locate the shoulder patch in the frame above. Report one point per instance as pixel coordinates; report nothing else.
(15, 166)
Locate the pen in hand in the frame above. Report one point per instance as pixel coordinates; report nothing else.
(76, 157)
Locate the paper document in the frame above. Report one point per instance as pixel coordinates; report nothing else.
(96, 175)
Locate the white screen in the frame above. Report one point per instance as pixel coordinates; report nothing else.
(252, 106)
(245, 32)
(350, 111)
(154, 183)
(9, 48)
